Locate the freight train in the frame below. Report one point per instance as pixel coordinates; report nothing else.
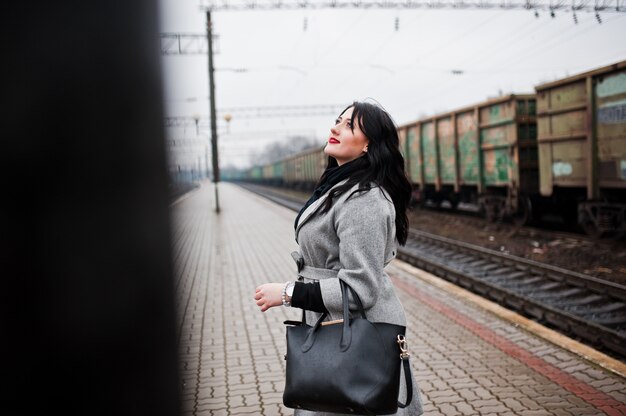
(560, 150)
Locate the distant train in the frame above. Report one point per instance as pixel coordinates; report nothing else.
(562, 149)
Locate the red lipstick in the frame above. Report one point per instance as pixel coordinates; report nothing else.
(333, 140)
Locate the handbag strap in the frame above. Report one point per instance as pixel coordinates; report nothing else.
(310, 338)
(409, 384)
(346, 336)
(346, 300)
(355, 297)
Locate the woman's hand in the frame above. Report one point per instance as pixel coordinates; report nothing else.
(269, 295)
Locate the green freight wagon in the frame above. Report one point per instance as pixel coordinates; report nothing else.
(272, 173)
(483, 155)
(582, 146)
(233, 175)
(278, 169)
(255, 173)
(304, 169)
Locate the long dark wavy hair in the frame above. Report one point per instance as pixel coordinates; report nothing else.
(382, 165)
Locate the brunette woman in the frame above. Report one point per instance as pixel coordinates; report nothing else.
(350, 228)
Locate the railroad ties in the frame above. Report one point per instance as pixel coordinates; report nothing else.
(579, 305)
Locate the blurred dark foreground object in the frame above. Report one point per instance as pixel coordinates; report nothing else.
(86, 299)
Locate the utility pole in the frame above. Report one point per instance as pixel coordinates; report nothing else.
(216, 168)
(206, 161)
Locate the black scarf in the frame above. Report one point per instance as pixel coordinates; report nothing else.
(330, 177)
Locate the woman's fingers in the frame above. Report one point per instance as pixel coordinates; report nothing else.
(260, 299)
(268, 295)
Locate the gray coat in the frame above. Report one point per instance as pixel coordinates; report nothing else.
(354, 241)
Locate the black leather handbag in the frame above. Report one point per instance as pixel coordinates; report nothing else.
(352, 366)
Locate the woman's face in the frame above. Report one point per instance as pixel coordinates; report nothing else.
(346, 141)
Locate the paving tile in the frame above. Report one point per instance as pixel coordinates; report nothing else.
(464, 408)
(448, 409)
(231, 354)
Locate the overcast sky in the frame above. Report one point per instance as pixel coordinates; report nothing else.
(332, 57)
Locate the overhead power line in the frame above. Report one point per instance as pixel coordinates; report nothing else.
(261, 112)
(310, 110)
(582, 5)
(196, 43)
(186, 43)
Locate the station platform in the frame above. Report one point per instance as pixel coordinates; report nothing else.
(469, 356)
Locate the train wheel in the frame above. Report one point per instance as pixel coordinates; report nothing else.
(590, 228)
(491, 213)
(588, 222)
(485, 211)
(524, 212)
(454, 202)
(492, 209)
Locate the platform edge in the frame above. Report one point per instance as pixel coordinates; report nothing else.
(587, 353)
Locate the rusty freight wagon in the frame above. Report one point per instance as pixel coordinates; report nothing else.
(301, 171)
(485, 155)
(582, 146)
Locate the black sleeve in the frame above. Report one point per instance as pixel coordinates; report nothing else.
(308, 296)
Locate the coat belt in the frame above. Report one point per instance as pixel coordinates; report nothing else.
(313, 273)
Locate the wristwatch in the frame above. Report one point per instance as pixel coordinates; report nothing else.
(287, 292)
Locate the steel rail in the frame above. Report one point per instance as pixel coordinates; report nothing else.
(581, 306)
(552, 272)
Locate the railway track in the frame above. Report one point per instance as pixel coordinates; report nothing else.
(580, 306)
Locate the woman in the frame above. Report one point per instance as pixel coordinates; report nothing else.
(351, 226)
